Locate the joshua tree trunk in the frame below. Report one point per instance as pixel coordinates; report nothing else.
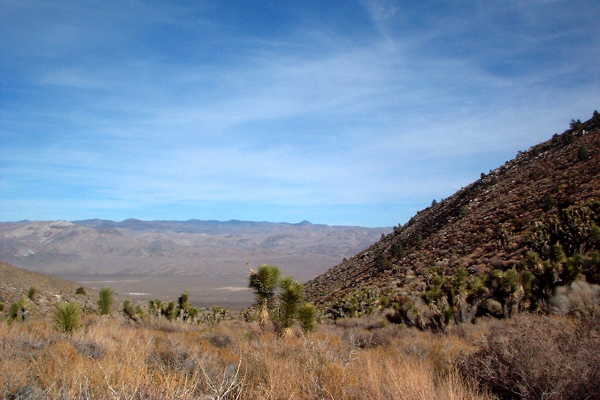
(263, 315)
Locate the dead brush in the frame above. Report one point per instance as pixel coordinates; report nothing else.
(229, 385)
(535, 357)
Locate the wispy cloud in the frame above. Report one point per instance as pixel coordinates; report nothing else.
(182, 106)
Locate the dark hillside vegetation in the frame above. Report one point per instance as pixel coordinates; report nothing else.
(524, 237)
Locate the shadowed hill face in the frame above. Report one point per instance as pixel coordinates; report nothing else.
(488, 225)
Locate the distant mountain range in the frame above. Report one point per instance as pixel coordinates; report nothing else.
(216, 250)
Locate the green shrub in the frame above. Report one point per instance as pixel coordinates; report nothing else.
(17, 310)
(170, 311)
(575, 124)
(184, 309)
(80, 291)
(307, 314)
(583, 153)
(129, 310)
(214, 315)
(155, 307)
(357, 303)
(591, 267)
(183, 300)
(67, 317)
(548, 202)
(105, 301)
(2, 305)
(31, 294)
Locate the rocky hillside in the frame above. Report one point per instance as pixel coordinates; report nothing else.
(17, 283)
(507, 241)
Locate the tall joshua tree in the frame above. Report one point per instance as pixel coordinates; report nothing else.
(290, 300)
(264, 281)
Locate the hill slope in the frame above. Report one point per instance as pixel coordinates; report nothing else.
(486, 226)
(15, 284)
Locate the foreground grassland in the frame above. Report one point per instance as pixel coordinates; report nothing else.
(110, 358)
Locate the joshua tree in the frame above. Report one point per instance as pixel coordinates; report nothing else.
(307, 314)
(105, 301)
(290, 300)
(183, 306)
(264, 281)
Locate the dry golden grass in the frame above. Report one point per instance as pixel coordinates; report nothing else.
(111, 359)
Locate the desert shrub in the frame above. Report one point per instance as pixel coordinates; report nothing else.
(18, 310)
(307, 314)
(214, 315)
(92, 350)
(536, 357)
(220, 340)
(28, 392)
(583, 153)
(129, 310)
(67, 317)
(169, 311)
(155, 307)
(366, 339)
(174, 357)
(32, 293)
(548, 202)
(185, 310)
(2, 305)
(80, 291)
(397, 250)
(105, 301)
(575, 124)
(358, 303)
(383, 262)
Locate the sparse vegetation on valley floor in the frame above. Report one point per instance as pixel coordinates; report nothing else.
(528, 357)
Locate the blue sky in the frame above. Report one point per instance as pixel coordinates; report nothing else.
(339, 112)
